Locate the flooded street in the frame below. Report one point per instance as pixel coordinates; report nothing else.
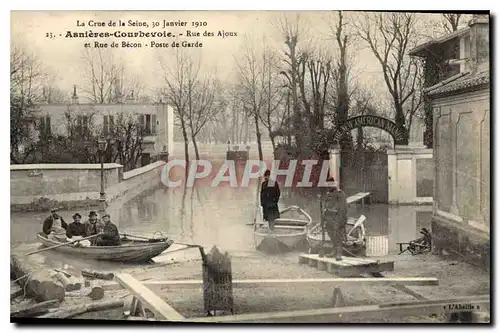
(221, 216)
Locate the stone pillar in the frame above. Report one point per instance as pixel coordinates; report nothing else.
(392, 170)
(402, 174)
(335, 162)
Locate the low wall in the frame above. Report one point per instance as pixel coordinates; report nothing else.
(460, 241)
(39, 187)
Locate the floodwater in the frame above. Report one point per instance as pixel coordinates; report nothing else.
(222, 216)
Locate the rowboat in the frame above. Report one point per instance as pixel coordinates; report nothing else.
(130, 250)
(356, 236)
(289, 230)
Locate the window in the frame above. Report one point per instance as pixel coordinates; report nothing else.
(466, 54)
(82, 123)
(107, 125)
(148, 123)
(153, 124)
(45, 128)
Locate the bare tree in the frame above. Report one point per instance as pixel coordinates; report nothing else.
(450, 22)
(179, 80)
(203, 104)
(106, 79)
(252, 85)
(390, 36)
(290, 30)
(26, 81)
(125, 141)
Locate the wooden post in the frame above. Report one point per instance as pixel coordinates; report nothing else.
(217, 282)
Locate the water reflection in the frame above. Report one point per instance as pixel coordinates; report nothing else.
(219, 216)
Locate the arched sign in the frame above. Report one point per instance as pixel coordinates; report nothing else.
(399, 135)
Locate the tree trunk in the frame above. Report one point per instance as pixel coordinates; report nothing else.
(38, 283)
(195, 145)
(257, 132)
(186, 141)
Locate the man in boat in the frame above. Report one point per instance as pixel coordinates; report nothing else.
(269, 197)
(93, 225)
(335, 218)
(77, 230)
(110, 235)
(55, 227)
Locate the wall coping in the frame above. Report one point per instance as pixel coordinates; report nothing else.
(141, 170)
(56, 166)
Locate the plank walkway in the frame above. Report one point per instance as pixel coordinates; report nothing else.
(348, 266)
(147, 298)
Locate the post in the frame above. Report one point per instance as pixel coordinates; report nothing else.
(102, 198)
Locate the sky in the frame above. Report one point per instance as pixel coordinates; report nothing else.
(63, 56)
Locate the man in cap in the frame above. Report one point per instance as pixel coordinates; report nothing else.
(335, 217)
(93, 225)
(269, 197)
(76, 228)
(54, 226)
(110, 235)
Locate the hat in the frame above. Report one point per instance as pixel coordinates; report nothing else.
(92, 213)
(106, 215)
(77, 214)
(55, 209)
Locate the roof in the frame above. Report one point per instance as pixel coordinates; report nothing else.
(461, 82)
(420, 50)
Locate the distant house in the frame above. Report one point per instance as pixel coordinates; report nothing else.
(460, 102)
(157, 121)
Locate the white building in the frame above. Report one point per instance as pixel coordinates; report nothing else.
(157, 120)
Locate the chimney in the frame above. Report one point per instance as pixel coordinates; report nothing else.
(479, 43)
(74, 98)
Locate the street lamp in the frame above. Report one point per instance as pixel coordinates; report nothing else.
(102, 199)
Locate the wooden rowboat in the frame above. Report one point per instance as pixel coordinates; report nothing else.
(356, 236)
(130, 250)
(290, 229)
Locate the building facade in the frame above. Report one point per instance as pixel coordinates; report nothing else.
(156, 119)
(461, 122)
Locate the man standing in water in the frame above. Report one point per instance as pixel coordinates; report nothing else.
(269, 197)
(335, 218)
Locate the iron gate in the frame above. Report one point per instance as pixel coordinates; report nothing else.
(365, 171)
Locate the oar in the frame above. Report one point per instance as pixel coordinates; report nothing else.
(59, 245)
(139, 237)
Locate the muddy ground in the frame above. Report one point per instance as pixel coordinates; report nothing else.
(455, 279)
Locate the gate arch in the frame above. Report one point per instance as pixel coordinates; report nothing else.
(398, 134)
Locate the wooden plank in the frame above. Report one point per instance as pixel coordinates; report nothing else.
(161, 309)
(350, 266)
(193, 284)
(357, 197)
(417, 308)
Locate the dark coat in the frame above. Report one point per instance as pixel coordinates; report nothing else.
(76, 229)
(269, 197)
(110, 236)
(335, 208)
(93, 228)
(47, 224)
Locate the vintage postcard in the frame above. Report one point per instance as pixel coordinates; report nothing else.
(250, 166)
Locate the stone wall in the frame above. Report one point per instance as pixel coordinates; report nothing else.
(462, 186)
(39, 187)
